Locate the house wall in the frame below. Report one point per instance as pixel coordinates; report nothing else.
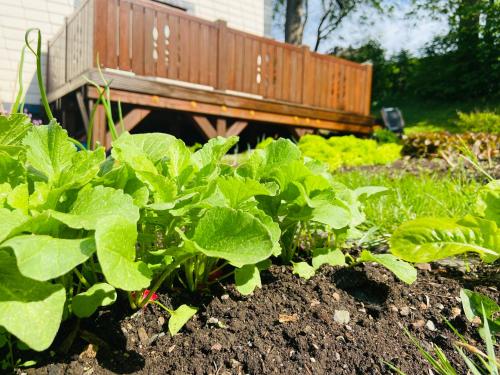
(16, 16)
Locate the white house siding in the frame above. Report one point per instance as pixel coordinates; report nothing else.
(252, 16)
(16, 16)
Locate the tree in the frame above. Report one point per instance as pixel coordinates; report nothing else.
(295, 21)
(332, 14)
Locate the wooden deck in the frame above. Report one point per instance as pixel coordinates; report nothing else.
(156, 56)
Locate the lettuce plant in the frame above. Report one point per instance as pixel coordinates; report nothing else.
(429, 239)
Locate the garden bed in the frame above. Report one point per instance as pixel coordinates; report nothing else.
(287, 327)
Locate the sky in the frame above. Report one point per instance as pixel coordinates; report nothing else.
(394, 31)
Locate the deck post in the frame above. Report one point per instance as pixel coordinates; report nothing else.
(221, 127)
(221, 55)
(99, 128)
(368, 88)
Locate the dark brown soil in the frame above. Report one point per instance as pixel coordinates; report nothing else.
(287, 327)
(437, 166)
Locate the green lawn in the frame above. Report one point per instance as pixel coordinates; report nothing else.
(423, 116)
(411, 196)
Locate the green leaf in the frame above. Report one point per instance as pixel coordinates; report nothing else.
(19, 198)
(30, 310)
(10, 220)
(335, 216)
(304, 270)
(84, 167)
(333, 257)
(115, 238)
(403, 271)
(213, 151)
(247, 278)
(281, 151)
(86, 303)
(179, 317)
(13, 128)
(234, 235)
(369, 191)
(238, 190)
(43, 257)
(488, 203)
(471, 303)
(429, 239)
(94, 203)
(49, 150)
(12, 170)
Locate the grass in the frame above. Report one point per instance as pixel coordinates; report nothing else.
(424, 116)
(412, 196)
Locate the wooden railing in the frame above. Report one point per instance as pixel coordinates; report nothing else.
(150, 39)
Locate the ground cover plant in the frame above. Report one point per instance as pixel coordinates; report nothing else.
(412, 195)
(348, 151)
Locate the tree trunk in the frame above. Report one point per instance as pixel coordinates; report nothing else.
(294, 22)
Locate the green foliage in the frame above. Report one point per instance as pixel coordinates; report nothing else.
(412, 196)
(428, 239)
(487, 122)
(348, 151)
(385, 136)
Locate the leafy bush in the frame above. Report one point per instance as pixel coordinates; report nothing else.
(348, 151)
(488, 122)
(385, 136)
(484, 146)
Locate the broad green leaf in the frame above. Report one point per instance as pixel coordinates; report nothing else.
(13, 128)
(18, 198)
(304, 270)
(179, 317)
(247, 278)
(333, 257)
(49, 150)
(115, 238)
(403, 271)
(143, 152)
(472, 301)
(368, 191)
(281, 151)
(12, 170)
(9, 221)
(43, 258)
(95, 203)
(429, 239)
(238, 190)
(335, 216)
(488, 203)
(234, 235)
(213, 151)
(30, 310)
(86, 303)
(84, 167)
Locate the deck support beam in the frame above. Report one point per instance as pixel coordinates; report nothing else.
(300, 132)
(130, 121)
(220, 129)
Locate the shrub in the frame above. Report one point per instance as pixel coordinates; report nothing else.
(385, 136)
(488, 122)
(348, 151)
